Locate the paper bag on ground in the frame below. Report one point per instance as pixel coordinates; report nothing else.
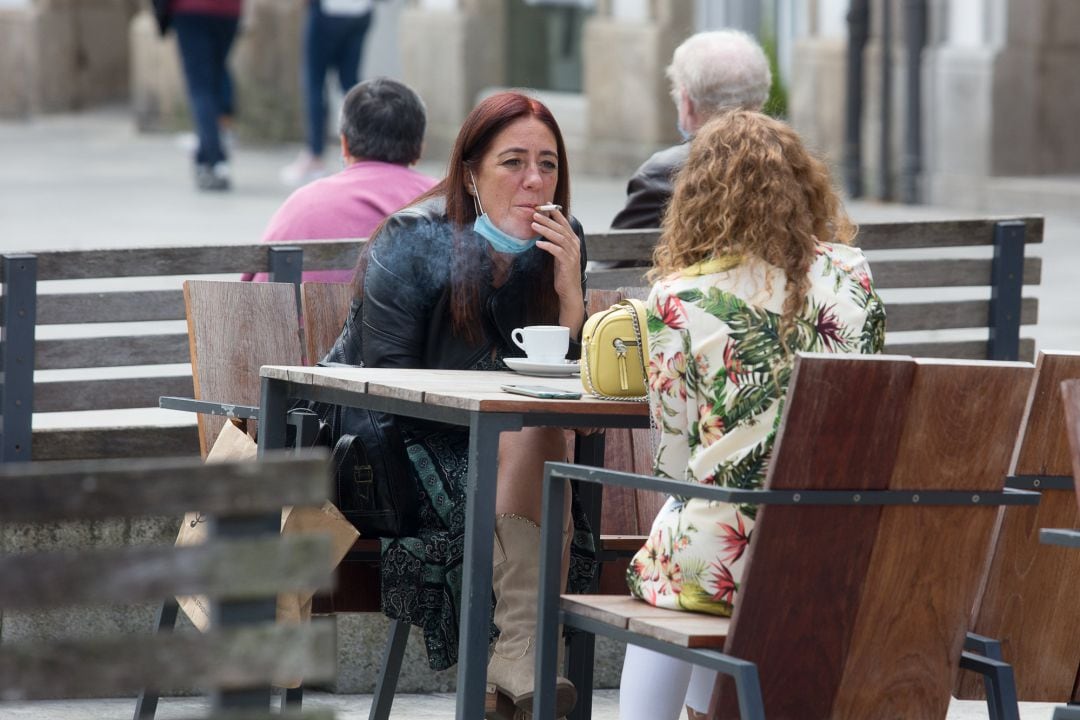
(233, 444)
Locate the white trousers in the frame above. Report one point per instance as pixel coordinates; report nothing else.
(655, 686)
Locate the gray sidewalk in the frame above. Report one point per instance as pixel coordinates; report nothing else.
(437, 706)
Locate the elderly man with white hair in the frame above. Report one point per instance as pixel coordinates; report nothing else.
(709, 72)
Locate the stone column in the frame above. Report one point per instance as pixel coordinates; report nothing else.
(451, 50)
(1002, 99)
(265, 64)
(63, 55)
(627, 47)
(816, 93)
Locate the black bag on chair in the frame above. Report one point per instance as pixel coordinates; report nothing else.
(372, 483)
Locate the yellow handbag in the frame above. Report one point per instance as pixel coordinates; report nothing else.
(614, 345)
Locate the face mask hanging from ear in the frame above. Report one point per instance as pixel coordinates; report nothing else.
(500, 241)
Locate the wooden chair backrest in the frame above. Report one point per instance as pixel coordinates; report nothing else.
(234, 328)
(848, 610)
(325, 308)
(1029, 589)
(1070, 395)
(247, 568)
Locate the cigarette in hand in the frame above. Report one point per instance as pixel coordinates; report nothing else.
(552, 207)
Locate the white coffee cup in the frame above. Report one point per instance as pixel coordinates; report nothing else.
(543, 343)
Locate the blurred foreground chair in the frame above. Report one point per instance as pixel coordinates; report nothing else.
(242, 567)
(1027, 602)
(1069, 538)
(882, 493)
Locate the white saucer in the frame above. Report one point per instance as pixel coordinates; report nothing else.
(525, 366)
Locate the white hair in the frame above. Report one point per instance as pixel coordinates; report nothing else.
(720, 69)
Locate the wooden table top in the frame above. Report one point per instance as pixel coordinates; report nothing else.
(462, 389)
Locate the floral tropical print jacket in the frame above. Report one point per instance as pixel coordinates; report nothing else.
(717, 376)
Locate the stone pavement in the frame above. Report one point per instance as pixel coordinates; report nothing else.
(90, 181)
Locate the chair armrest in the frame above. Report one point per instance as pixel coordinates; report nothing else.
(583, 473)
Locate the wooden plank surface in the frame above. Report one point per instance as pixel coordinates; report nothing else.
(462, 389)
(688, 630)
(325, 308)
(185, 261)
(943, 272)
(960, 350)
(614, 610)
(948, 315)
(102, 443)
(1070, 397)
(1028, 600)
(93, 490)
(168, 661)
(108, 394)
(237, 570)
(111, 351)
(926, 563)
(805, 566)
(233, 328)
(113, 306)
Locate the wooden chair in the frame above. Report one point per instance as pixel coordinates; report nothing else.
(1067, 538)
(325, 307)
(844, 611)
(1027, 601)
(242, 566)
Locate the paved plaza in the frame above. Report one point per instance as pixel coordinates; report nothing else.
(90, 181)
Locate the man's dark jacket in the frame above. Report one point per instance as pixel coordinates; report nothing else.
(649, 190)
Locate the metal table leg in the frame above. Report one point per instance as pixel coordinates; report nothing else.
(484, 433)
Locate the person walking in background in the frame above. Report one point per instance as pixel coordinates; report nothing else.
(754, 264)
(382, 133)
(334, 35)
(709, 72)
(205, 31)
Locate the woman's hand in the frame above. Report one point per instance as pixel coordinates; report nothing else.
(560, 241)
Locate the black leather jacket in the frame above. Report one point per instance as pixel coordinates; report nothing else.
(404, 317)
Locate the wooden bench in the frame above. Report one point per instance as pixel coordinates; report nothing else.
(242, 567)
(844, 611)
(942, 282)
(1027, 601)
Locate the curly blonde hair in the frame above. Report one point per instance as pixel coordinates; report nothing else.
(750, 187)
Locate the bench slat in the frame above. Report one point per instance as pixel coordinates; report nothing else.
(939, 233)
(927, 273)
(62, 491)
(184, 261)
(888, 274)
(110, 394)
(231, 659)
(118, 306)
(241, 570)
(950, 315)
(614, 610)
(112, 351)
(960, 350)
(686, 629)
(103, 443)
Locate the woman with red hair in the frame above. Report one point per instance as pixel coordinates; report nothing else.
(442, 284)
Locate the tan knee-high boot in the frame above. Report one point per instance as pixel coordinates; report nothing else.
(516, 576)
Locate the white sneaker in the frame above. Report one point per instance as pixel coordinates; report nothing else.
(304, 169)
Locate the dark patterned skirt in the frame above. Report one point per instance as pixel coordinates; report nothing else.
(421, 576)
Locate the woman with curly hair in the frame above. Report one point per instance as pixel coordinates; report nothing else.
(754, 264)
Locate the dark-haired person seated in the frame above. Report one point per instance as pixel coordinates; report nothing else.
(382, 133)
(442, 285)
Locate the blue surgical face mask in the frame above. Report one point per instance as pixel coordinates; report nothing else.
(682, 131)
(499, 240)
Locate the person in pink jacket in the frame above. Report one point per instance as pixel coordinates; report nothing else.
(382, 132)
